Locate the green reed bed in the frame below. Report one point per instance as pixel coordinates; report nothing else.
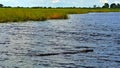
(40, 14)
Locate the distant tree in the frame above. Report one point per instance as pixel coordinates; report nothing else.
(1, 5)
(7, 7)
(49, 7)
(94, 6)
(106, 5)
(18, 7)
(74, 7)
(113, 5)
(44, 7)
(118, 5)
(98, 7)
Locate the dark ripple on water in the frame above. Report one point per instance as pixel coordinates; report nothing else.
(22, 44)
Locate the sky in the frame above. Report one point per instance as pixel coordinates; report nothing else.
(56, 3)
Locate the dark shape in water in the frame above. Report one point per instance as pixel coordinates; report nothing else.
(71, 52)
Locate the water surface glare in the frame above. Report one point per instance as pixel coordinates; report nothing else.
(19, 42)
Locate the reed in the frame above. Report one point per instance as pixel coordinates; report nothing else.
(41, 14)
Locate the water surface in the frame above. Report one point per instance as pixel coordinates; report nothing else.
(98, 31)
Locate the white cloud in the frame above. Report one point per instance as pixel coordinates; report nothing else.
(104, 1)
(55, 1)
(116, 2)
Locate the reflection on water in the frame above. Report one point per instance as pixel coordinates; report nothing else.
(98, 31)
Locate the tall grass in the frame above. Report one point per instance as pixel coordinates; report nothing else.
(30, 14)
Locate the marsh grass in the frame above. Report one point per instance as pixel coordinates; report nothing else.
(30, 14)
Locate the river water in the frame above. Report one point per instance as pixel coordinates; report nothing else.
(20, 42)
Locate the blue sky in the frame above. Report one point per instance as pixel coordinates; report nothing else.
(56, 3)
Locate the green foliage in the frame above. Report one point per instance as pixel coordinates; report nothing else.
(106, 5)
(113, 5)
(1, 5)
(118, 5)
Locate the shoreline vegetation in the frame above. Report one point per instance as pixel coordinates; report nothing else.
(42, 14)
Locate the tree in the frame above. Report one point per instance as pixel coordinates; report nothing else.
(49, 7)
(106, 5)
(1, 5)
(113, 5)
(118, 5)
(94, 6)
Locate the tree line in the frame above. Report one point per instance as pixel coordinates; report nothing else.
(113, 5)
(106, 5)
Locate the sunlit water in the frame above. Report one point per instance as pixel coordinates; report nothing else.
(98, 31)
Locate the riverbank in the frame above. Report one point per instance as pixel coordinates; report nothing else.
(30, 14)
